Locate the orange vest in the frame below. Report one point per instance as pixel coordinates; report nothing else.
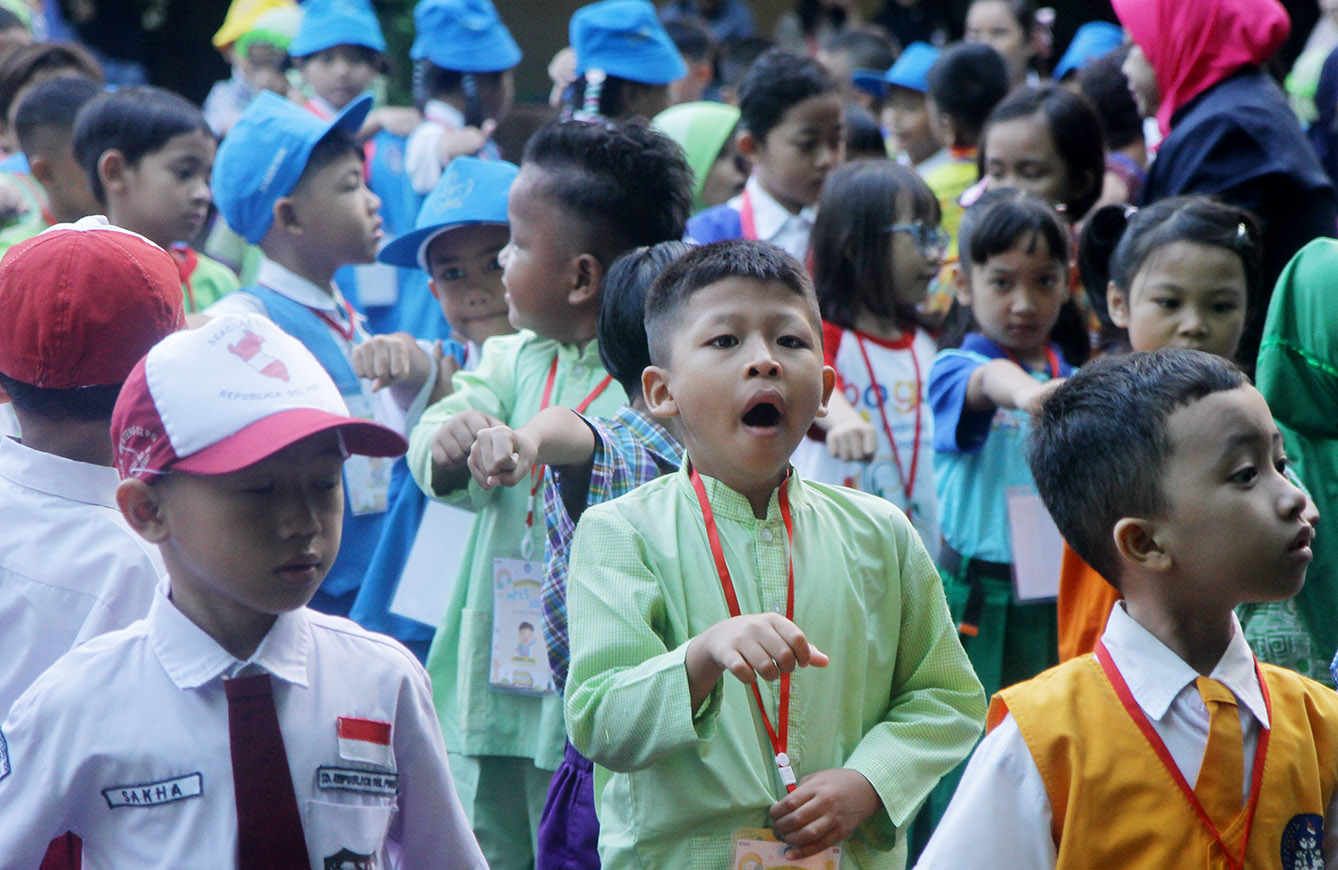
(1085, 600)
(1115, 804)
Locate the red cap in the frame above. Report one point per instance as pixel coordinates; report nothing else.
(81, 303)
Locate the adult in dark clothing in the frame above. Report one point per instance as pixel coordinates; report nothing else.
(1198, 67)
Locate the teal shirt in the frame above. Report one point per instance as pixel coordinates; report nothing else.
(508, 384)
(899, 702)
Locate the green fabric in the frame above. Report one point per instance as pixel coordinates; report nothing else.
(701, 129)
(210, 282)
(898, 703)
(1297, 372)
(508, 385)
(33, 220)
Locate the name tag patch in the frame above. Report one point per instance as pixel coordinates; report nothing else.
(154, 794)
(364, 781)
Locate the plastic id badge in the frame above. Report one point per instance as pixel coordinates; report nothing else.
(758, 849)
(433, 565)
(378, 284)
(519, 654)
(366, 478)
(1038, 548)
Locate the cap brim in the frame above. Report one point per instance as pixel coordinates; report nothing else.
(268, 436)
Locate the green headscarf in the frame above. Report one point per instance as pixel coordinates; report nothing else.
(701, 130)
(1298, 374)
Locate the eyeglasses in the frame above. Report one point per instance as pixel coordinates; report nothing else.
(932, 241)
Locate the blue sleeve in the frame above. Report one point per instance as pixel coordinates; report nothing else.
(956, 430)
(715, 224)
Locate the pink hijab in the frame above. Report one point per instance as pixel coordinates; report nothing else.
(1194, 44)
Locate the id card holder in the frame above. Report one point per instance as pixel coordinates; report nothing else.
(1038, 548)
(378, 284)
(758, 849)
(519, 654)
(366, 478)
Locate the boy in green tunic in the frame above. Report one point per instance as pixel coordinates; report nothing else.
(826, 594)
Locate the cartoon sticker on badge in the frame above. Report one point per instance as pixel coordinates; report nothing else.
(1302, 841)
(345, 859)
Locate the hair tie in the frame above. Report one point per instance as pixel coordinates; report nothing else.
(594, 88)
(1242, 232)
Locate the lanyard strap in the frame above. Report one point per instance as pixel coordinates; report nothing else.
(907, 480)
(779, 735)
(1051, 360)
(746, 220)
(349, 331)
(1159, 747)
(537, 470)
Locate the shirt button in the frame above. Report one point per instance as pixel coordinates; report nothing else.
(767, 537)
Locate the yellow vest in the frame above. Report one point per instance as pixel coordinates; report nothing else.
(1116, 805)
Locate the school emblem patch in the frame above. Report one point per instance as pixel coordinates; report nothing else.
(1301, 843)
(345, 859)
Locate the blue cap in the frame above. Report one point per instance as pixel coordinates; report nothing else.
(471, 191)
(870, 81)
(463, 35)
(624, 38)
(1094, 39)
(264, 155)
(327, 23)
(911, 71)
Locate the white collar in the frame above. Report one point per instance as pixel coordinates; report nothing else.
(288, 283)
(441, 112)
(55, 475)
(192, 658)
(769, 216)
(1156, 675)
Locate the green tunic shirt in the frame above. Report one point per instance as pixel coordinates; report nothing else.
(508, 384)
(899, 702)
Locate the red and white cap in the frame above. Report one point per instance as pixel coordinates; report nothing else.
(219, 398)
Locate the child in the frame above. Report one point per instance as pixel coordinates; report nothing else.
(1182, 273)
(1105, 87)
(1171, 745)
(334, 752)
(695, 43)
(706, 133)
(876, 249)
(147, 154)
(906, 113)
(44, 122)
(1010, 28)
(1092, 41)
(585, 194)
(590, 460)
(625, 62)
(856, 59)
(461, 230)
(293, 184)
(257, 51)
(28, 66)
(793, 129)
(1046, 140)
(735, 336)
(464, 59)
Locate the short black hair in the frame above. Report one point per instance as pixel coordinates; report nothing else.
(135, 121)
(966, 82)
(329, 148)
(1098, 448)
(692, 39)
(1075, 128)
(864, 137)
(81, 404)
(1106, 87)
(709, 264)
(623, 348)
(777, 81)
(627, 184)
(868, 47)
(737, 56)
(26, 62)
(51, 107)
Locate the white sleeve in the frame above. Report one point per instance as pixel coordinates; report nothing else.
(421, 163)
(36, 797)
(999, 815)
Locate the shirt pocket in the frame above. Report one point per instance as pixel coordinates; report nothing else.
(347, 832)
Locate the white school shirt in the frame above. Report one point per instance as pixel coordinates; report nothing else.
(1000, 814)
(394, 406)
(776, 224)
(125, 742)
(70, 566)
(9, 424)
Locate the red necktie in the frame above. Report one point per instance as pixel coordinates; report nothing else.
(269, 826)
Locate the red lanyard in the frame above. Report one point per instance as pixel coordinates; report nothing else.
(1154, 739)
(538, 469)
(349, 331)
(907, 480)
(1051, 360)
(746, 220)
(780, 736)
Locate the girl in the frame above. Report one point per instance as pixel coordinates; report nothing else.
(1047, 140)
(625, 62)
(876, 249)
(1010, 28)
(706, 133)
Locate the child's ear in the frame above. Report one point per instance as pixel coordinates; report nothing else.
(1137, 540)
(142, 507)
(749, 145)
(589, 277)
(961, 287)
(285, 215)
(432, 288)
(1117, 303)
(659, 398)
(828, 384)
(40, 169)
(112, 169)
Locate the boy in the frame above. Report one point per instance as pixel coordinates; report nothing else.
(293, 184)
(44, 123)
(79, 305)
(585, 194)
(1164, 471)
(261, 733)
(906, 111)
(735, 338)
(792, 127)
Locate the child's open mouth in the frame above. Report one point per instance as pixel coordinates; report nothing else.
(764, 414)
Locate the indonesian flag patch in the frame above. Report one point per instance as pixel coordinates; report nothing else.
(365, 740)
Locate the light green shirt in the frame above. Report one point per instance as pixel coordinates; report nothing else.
(508, 384)
(899, 702)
